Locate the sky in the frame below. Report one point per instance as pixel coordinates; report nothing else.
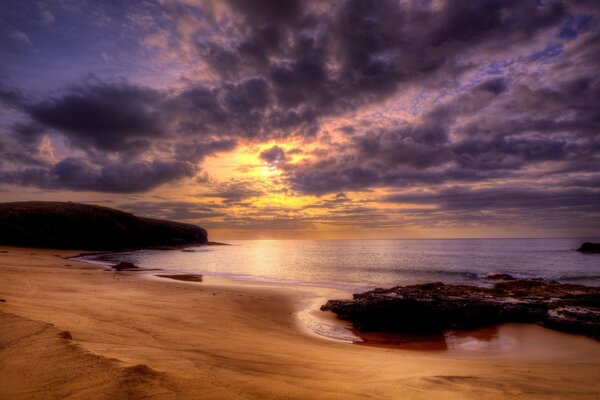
(282, 119)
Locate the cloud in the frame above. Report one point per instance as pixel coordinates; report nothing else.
(106, 57)
(10, 97)
(173, 210)
(542, 208)
(20, 37)
(234, 192)
(274, 155)
(45, 14)
(102, 115)
(454, 101)
(197, 150)
(494, 129)
(495, 86)
(503, 198)
(306, 61)
(79, 175)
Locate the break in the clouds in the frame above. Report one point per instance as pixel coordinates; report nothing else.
(395, 114)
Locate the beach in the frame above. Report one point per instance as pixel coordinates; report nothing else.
(73, 330)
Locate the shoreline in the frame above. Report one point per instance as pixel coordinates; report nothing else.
(164, 338)
(347, 288)
(357, 280)
(328, 325)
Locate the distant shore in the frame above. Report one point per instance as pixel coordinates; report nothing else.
(69, 328)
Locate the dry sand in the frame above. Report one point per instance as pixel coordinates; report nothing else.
(75, 331)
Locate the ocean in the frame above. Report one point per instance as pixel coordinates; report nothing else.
(367, 264)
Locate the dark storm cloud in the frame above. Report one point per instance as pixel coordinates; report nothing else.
(495, 86)
(28, 134)
(103, 119)
(563, 106)
(77, 174)
(502, 198)
(510, 153)
(324, 59)
(316, 181)
(267, 11)
(197, 151)
(273, 155)
(461, 21)
(237, 108)
(282, 68)
(566, 210)
(10, 97)
(102, 115)
(494, 130)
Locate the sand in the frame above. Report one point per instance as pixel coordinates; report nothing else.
(72, 330)
(183, 277)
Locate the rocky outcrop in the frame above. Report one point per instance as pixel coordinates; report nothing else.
(88, 227)
(125, 266)
(499, 277)
(435, 307)
(588, 247)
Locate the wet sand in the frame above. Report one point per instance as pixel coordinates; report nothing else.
(73, 330)
(183, 277)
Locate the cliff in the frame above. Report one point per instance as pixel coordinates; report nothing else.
(88, 227)
(588, 247)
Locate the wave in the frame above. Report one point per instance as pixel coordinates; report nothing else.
(569, 278)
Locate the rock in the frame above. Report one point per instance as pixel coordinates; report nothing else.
(61, 225)
(435, 307)
(500, 277)
(588, 247)
(124, 266)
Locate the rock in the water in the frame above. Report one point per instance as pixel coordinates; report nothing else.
(124, 266)
(588, 247)
(435, 307)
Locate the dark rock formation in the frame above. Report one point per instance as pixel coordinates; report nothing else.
(588, 247)
(499, 277)
(124, 266)
(434, 307)
(81, 226)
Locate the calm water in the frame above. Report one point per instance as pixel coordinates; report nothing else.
(364, 264)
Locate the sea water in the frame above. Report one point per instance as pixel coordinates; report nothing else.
(366, 264)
